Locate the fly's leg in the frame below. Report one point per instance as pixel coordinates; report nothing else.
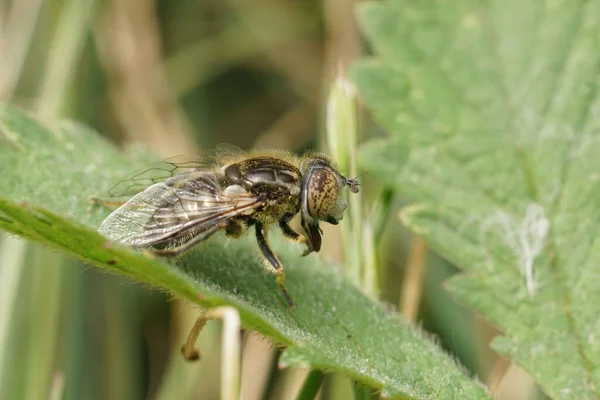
(288, 232)
(313, 236)
(184, 247)
(273, 261)
(234, 229)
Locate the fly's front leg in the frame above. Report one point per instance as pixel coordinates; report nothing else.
(273, 261)
(291, 234)
(313, 236)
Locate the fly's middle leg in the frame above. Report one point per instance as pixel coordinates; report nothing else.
(273, 261)
(234, 229)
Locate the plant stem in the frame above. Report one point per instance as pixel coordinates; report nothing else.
(380, 213)
(311, 385)
(65, 49)
(17, 34)
(46, 291)
(342, 141)
(12, 264)
(272, 377)
(413, 280)
(360, 393)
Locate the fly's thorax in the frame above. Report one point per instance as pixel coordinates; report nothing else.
(264, 171)
(321, 190)
(200, 181)
(275, 181)
(277, 201)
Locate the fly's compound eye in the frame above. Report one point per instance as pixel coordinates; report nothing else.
(322, 191)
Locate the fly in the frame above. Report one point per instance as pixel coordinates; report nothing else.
(184, 204)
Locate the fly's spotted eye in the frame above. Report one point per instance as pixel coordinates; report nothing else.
(322, 190)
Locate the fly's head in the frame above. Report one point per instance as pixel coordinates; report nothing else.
(321, 196)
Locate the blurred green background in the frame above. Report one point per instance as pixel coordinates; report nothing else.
(179, 77)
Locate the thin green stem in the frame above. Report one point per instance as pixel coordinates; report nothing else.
(380, 213)
(372, 230)
(311, 385)
(18, 31)
(272, 377)
(12, 264)
(65, 49)
(46, 293)
(342, 140)
(360, 393)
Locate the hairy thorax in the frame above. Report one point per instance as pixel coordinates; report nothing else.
(274, 181)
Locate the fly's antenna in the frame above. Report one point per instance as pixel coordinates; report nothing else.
(354, 184)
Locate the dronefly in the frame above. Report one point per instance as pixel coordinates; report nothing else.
(232, 191)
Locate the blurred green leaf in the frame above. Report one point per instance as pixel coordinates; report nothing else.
(498, 104)
(50, 173)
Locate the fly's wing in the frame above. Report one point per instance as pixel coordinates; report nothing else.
(174, 209)
(160, 172)
(226, 153)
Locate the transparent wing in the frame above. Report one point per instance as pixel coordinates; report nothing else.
(174, 209)
(226, 153)
(161, 171)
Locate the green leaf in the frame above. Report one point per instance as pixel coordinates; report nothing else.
(498, 104)
(51, 170)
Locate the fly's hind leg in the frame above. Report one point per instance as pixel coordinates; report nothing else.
(273, 261)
